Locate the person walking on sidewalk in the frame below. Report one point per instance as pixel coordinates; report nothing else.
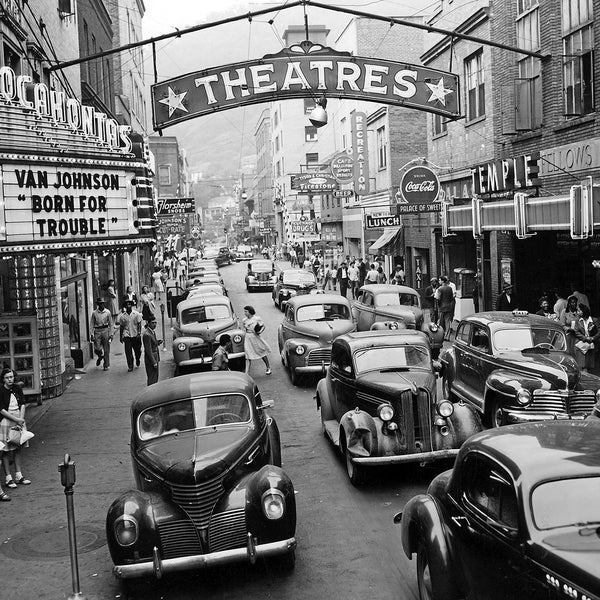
(151, 351)
(220, 358)
(446, 306)
(130, 325)
(12, 411)
(254, 345)
(342, 278)
(113, 300)
(101, 326)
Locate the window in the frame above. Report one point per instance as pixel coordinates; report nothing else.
(164, 175)
(578, 68)
(309, 105)
(381, 148)
(310, 134)
(475, 86)
(440, 125)
(312, 158)
(276, 144)
(481, 339)
(464, 332)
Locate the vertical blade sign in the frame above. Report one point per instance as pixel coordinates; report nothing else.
(360, 153)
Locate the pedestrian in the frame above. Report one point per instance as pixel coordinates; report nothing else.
(561, 302)
(327, 277)
(130, 327)
(342, 278)
(220, 358)
(175, 267)
(397, 276)
(151, 351)
(362, 272)
(581, 297)
(293, 257)
(353, 279)
(430, 300)
(157, 284)
(130, 295)
(507, 300)
(475, 293)
(568, 319)
(372, 276)
(587, 333)
(254, 345)
(334, 276)
(149, 308)
(101, 326)
(316, 265)
(381, 278)
(168, 262)
(544, 310)
(446, 305)
(113, 301)
(12, 411)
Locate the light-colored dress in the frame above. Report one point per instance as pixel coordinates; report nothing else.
(113, 304)
(254, 344)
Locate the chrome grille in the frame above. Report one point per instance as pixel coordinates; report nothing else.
(263, 277)
(563, 401)
(581, 405)
(206, 350)
(318, 356)
(198, 501)
(547, 404)
(179, 538)
(416, 414)
(227, 530)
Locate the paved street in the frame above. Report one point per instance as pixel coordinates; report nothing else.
(347, 543)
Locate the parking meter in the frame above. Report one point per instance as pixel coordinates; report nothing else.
(67, 472)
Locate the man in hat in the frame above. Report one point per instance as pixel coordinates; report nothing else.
(101, 326)
(151, 351)
(507, 300)
(130, 325)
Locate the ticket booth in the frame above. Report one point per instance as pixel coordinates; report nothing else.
(465, 282)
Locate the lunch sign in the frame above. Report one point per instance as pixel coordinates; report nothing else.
(304, 70)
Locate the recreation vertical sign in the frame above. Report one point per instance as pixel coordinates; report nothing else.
(360, 153)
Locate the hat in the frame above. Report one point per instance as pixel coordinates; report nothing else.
(100, 300)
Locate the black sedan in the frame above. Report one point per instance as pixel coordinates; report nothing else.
(293, 282)
(210, 490)
(517, 517)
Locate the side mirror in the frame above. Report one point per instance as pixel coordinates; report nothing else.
(437, 366)
(266, 404)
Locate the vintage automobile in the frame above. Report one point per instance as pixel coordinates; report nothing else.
(199, 323)
(517, 517)
(293, 282)
(202, 279)
(260, 275)
(215, 253)
(310, 325)
(207, 289)
(243, 252)
(386, 306)
(210, 488)
(514, 367)
(379, 403)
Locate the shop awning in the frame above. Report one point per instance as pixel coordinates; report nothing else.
(389, 242)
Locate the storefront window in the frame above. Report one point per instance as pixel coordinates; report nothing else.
(74, 315)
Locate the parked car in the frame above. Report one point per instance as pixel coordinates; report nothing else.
(387, 306)
(514, 367)
(310, 325)
(207, 289)
(200, 321)
(201, 279)
(260, 275)
(293, 282)
(379, 403)
(210, 488)
(243, 252)
(517, 517)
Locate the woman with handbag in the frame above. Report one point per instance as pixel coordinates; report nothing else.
(587, 333)
(12, 427)
(254, 345)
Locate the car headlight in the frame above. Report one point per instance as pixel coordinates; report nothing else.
(251, 278)
(273, 504)
(237, 338)
(181, 346)
(433, 327)
(597, 395)
(385, 412)
(523, 397)
(126, 530)
(292, 292)
(300, 350)
(445, 408)
(285, 292)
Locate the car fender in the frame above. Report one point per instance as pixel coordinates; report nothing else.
(323, 398)
(289, 348)
(508, 383)
(360, 433)
(448, 360)
(421, 520)
(435, 333)
(465, 422)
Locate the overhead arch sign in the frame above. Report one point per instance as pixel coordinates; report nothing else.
(304, 70)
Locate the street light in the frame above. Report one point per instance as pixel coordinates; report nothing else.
(318, 115)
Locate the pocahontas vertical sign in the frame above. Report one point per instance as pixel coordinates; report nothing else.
(301, 71)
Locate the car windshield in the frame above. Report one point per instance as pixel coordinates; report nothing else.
(396, 299)
(206, 290)
(298, 277)
(392, 358)
(566, 502)
(202, 314)
(193, 413)
(506, 340)
(261, 266)
(322, 312)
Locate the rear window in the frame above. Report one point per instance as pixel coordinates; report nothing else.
(297, 277)
(396, 299)
(205, 314)
(322, 312)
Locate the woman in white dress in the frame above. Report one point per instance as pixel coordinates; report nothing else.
(254, 345)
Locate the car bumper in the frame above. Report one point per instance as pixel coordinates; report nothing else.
(422, 457)
(513, 417)
(313, 368)
(207, 360)
(159, 566)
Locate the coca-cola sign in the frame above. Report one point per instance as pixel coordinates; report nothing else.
(420, 185)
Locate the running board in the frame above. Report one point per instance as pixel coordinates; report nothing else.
(332, 430)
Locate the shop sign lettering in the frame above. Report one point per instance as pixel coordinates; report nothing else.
(342, 167)
(313, 182)
(360, 153)
(303, 227)
(176, 206)
(506, 174)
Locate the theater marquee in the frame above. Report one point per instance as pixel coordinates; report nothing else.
(301, 71)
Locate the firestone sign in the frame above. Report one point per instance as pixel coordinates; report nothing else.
(419, 190)
(313, 182)
(304, 70)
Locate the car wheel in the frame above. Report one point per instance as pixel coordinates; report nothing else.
(356, 473)
(427, 587)
(496, 415)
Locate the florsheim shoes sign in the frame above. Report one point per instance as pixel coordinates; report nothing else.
(301, 71)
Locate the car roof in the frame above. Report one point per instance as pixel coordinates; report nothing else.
(542, 451)
(203, 301)
(376, 288)
(508, 318)
(195, 384)
(307, 299)
(292, 271)
(360, 339)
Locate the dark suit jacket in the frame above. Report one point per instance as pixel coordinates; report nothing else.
(503, 303)
(151, 350)
(446, 302)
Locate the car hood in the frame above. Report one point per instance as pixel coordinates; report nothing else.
(192, 457)
(207, 331)
(398, 381)
(408, 314)
(298, 286)
(559, 369)
(326, 331)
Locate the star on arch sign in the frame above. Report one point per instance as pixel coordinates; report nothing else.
(438, 91)
(174, 101)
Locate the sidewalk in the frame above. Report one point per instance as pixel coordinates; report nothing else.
(90, 422)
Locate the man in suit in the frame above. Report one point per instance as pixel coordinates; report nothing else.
(446, 305)
(507, 300)
(151, 351)
(342, 277)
